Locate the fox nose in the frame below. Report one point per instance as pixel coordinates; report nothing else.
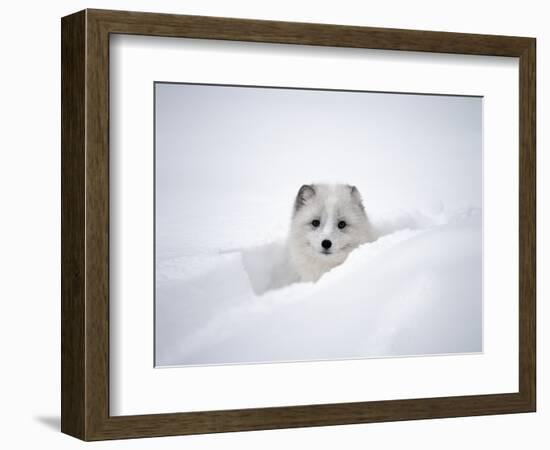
(326, 244)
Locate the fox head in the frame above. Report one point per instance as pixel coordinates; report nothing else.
(329, 221)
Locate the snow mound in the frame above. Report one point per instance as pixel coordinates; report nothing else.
(416, 290)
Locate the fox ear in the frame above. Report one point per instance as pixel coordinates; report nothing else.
(304, 194)
(356, 196)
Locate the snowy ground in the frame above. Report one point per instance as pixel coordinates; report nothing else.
(416, 290)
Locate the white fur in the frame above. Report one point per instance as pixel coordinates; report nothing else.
(329, 204)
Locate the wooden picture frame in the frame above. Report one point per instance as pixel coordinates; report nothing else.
(85, 224)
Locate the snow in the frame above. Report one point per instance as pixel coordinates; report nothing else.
(414, 291)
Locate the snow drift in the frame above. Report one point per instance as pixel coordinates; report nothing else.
(416, 290)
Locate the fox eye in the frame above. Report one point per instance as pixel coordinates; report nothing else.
(315, 223)
(342, 224)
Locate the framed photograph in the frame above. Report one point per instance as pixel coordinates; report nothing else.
(273, 225)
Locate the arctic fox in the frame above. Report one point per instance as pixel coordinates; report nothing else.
(328, 222)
